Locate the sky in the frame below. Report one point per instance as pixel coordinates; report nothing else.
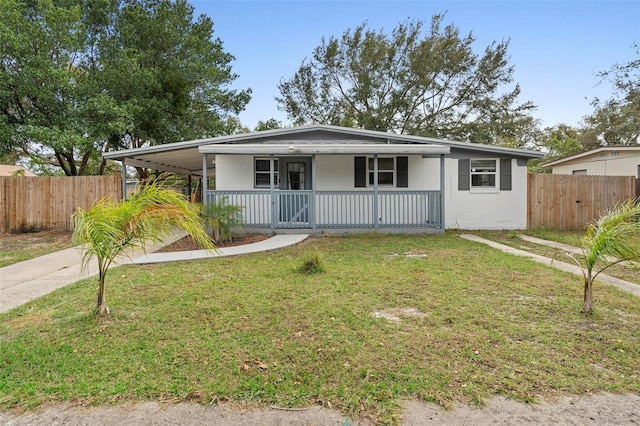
(556, 47)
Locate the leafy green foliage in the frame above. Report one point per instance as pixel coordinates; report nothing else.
(84, 77)
(270, 124)
(616, 121)
(110, 228)
(222, 217)
(558, 141)
(612, 239)
(414, 81)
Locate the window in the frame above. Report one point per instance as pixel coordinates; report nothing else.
(262, 172)
(483, 173)
(385, 171)
(391, 171)
(581, 172)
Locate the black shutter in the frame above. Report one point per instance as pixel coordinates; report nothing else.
(464, 175)
(505, 174)
(402, 170)
(360, 167)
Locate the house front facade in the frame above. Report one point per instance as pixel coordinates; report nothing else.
(325, 178)
(603, 161)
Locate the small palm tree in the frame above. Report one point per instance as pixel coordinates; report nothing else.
(613, 238)
(110, 228)
(222, 217)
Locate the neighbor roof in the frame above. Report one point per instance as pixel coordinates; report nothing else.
(10, 170)
(592, 152)
(185, 158)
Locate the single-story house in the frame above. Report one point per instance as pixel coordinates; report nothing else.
(326, 178)
(603, 161)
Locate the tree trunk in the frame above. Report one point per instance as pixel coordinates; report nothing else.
(101, 307)
(587, 304)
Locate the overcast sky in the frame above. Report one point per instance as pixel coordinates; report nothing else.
(557, 47)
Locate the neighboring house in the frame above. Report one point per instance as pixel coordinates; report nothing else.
(603, 161)
(9, 170)
(328, 178)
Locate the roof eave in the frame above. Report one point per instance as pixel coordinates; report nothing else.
(326, 149)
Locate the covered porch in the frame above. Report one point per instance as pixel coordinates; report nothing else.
(295, 195)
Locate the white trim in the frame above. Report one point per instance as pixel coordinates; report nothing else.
(310, 149)
(485, 189)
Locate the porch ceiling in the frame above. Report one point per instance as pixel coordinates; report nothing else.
(328, 149)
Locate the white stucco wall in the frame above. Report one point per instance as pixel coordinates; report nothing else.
(495, 210)
(234, 172)
(603, 164)
(463, 209)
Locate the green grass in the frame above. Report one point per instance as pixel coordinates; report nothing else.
(625, 271)
(20, 247)
(253, 329)
(571, 238)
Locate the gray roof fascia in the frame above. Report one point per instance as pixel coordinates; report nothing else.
(388, 137)
(174, 146)
(292, 149)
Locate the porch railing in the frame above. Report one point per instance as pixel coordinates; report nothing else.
(335, 209)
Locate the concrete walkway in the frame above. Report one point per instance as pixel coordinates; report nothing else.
(563, 266)
(273, 243)
(28, 280)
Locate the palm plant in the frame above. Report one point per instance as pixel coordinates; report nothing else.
(613, 238)
(222, 217)
(108, 229)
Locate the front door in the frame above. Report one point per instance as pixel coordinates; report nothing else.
(295, 192)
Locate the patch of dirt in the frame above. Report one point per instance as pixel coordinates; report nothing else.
(31, 240)
(187, 244)
(396, 314)
(603, 409)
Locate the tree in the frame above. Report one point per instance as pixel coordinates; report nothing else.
(616, 121)
(409, 82)
(612, 239)
(108, 229)
(38, 68)
(84, 77)
(270, 124)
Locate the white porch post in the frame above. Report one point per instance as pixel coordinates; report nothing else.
(442, 191)
(375, 191)
(272, 190)
(124, 179)
(205, 179)
(312, 213)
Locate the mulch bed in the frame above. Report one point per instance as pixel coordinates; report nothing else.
(187, 244)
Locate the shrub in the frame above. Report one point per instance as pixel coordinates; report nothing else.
(312, 265)
(221, 217)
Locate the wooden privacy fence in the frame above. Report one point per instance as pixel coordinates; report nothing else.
(571, 202)
(43, 203)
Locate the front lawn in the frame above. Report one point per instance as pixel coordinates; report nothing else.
(19, 247)
(625, 271)
(253, 329)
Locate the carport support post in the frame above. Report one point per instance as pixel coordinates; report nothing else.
(205, 183)
(124, 179)
(442, 191)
